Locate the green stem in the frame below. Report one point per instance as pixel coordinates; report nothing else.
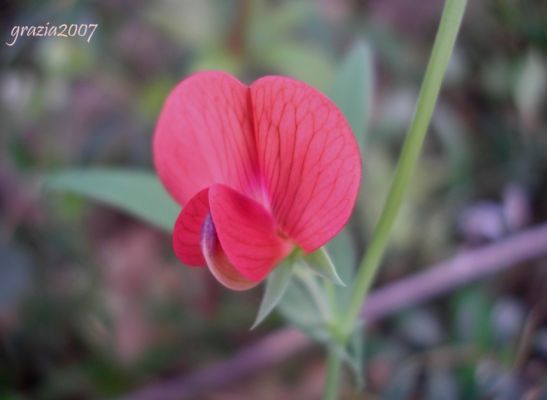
(331, 296)
(332, 383)
(442, 49)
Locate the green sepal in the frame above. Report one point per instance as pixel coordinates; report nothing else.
(276, 285)
(320, 263)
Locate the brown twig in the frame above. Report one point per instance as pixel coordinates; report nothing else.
(283, 344)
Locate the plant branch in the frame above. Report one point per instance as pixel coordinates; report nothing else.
(332, 383)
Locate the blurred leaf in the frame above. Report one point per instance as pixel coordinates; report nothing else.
(540, 343)
(275, 41)
(378, 168)
(187, 23)
(530, 87)
(299, 308)
(451, 131)
(305, 305)
(276, 285)
(271, 21)
(217, 59)
(356, 357)
(15, 277)
(152, 97)
(403, 383)
(421, 327)
(342, 252)
(441, 384)
(352, 89)
(497, 77)
(137, 192)
(500, 384)
(64, 58)
(507, 318)
(472, 318)
(304, 62)
(320, 263)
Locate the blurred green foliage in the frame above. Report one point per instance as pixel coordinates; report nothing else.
(92, 302)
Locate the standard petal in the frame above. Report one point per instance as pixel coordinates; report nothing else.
(218, 263)
(204, 136)
(247, 233)
(309, 159)
(188, 230)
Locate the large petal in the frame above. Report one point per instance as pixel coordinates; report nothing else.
(247, 233)
(204, 136)
(309, 159)
(188, 230)
(219, 265)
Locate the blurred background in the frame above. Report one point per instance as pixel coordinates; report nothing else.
(93, 303)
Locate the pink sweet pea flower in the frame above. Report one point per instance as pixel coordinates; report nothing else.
(258, 170)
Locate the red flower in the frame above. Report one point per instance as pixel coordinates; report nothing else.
(258, 169)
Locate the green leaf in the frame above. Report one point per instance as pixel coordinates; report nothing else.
(356, 355)
(403, 382)
(305, 306)
(531, 87)
(307, 303)
(138, 193)
(472, 310)
(303, 62)
(352, 89)
(276, 285)
(342, 252)
(302, 310)
(321, 264)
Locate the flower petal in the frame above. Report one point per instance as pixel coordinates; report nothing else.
(188, 230)
(218, 263)
(247, 232)
(204, 136)
(309, 159)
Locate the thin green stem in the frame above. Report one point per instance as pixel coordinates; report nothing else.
(436, 68)
(442, 49)
(334, 363)
(331, 296)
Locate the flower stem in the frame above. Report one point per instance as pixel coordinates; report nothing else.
(442, 49)
(334, 363)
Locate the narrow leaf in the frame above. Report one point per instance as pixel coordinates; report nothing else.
(320, 263)
(356, 356)
(341, 249)
(352, 89)
(299, 307)
(276, 285)
(352, 354)
(138, 193)
(304, 305)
